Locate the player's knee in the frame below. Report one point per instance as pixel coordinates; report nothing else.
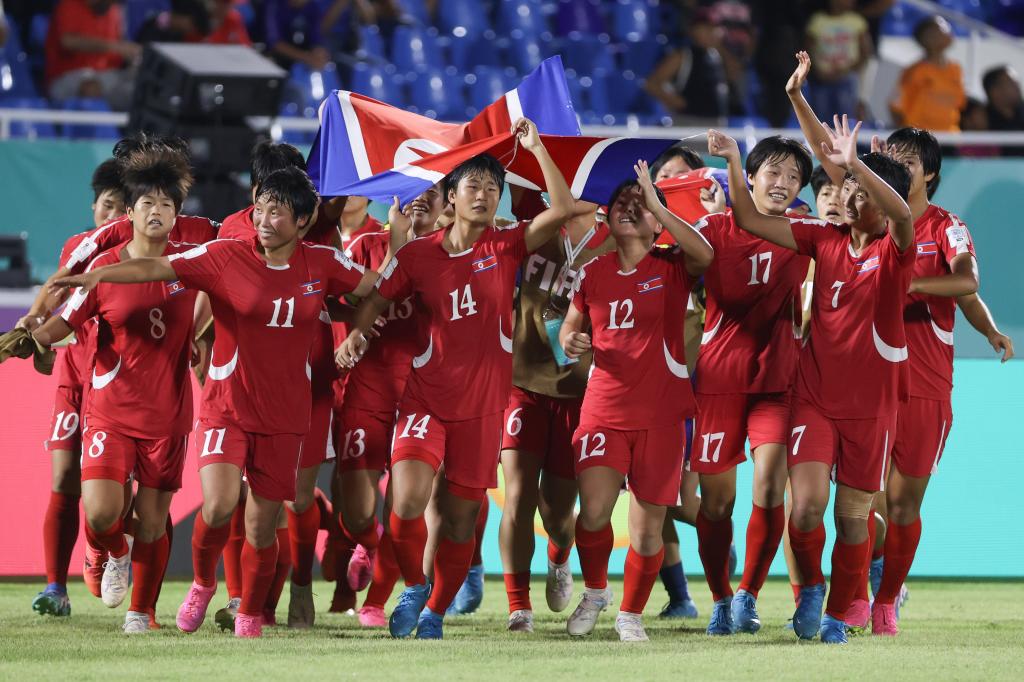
(594, 517)
(149, 530)
(217, 512)
(67, 480)
(717, 507)
(807, 514)
(102, 519)
(903, 512)
(646, 542)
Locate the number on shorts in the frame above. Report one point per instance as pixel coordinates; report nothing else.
(417, 430)
(514, 424)
(64, 426)
(598, 446)
(98, 444)
(355, 444)
(157, 328)
(626, 306)
(214, 442)
(709, 440)
(838, 286)
(798, 435)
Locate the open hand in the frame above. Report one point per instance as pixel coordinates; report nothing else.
(842, 146)
(643, 178)
(86, 281)
(799, 77)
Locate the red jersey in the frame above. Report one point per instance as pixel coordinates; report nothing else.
(940, 237)
(75, 359)
(239, 225)
(855, 364)
(187, 229)
(753, 312)
(369, 225)
(265, 318)
(463, 369)
(75, 16)
(140, 379)
(639, 378)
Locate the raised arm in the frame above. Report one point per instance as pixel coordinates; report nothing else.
(131, 271)
(541, 229)
(774, 229)
(978, 314)
(810, 124)
(697, 252)
(961, 281)
(574, 341)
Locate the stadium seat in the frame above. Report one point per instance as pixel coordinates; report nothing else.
(467, 52)
(525, 55)
(972, 8)
(371, 45)
(629, 97)
(584, 54)
(579, 16)
(137, 11)
(29, 129)
(437, 95)
(16, 75)
(378, 83)
(632, 20)
(901, 19)
(416, 9)
(462, 17)
(414, 48)
(88, 131)
(641, 58)
(523, 20)
(485, 86)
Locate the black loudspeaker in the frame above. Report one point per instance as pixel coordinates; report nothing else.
(215, 148)
(15, 271)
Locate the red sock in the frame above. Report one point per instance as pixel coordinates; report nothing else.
(169, 533)
(796, 593)
(517, 586)
(847, 569)
(713, 541)
(764, 533)
(558, 555)
(149, 562)
(900, 547)
(325, 507)
(481, 526)
(233, 552)
(368, 537)
(594, 547)
(207, 546)
(640, 574)
(862, 585)
(258, 568)
(408, 538)
(60, 531)
(302, 532)
(385, 574)
(451, 564)
(807, 548)
(281, 568)
(111, 540)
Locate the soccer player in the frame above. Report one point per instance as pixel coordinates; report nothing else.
(266, 295)
(635, 300)
(462, 279)
(142, 342)
(851, 373)
(354, 222)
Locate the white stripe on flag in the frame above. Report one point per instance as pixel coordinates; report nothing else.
(355, 135)
(587, 165)
(515, 107)
(408, 170)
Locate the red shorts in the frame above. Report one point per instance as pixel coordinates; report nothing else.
(856, 449)
(316, 446)
(543, 426)
(468, 449)
(922, 427)
(66, 425)
(156, 462)
(724, 422)
(363, 439)
(270, 462)
(650, 459)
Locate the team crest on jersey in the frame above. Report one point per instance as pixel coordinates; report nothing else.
(485, 263)
(310, 288)
(650, 285)
(174, 288)
(927, 248)
(868, 264)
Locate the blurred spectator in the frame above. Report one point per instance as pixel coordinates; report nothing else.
(227, 27)
(873, 11)
(86, 54)
(690, 81)
(3, 26)
(293, 33)
(186, 20)
(342, 19)
(839, 45)
(931, 91)
(974, 115)
(781, 26)
(1005, 107)
(734, 18)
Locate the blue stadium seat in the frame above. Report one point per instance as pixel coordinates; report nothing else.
(901, 19)
(467, 52)
(371, 45)
(416, 9)
(579, 16)
(85, 131)
(972, 8)
(584, 54)
(629, 96)
(415, 48)
(37, 31)
(523, 19)
(377, 83)
(28, 129)
(437, 95)
(15, 71)
(641, 58)
(632, 20)
(525, 55)
(462, 17)
(485, 86)
(137, 11)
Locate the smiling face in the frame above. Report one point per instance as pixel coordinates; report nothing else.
(275, 223)
(776, 184)
(829, 203)
(476, 198)
(153, 215)
(628, 217)
(425, 209)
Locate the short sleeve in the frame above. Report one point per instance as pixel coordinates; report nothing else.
(82, 306)
(396, 282)
(97, 241)
(579, 288)
(343, 276)
(515, 236)
(201, 267)
(359, 251)
(710, 227)
(955, 239)
(807, 233)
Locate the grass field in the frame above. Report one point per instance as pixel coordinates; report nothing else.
(951, 630)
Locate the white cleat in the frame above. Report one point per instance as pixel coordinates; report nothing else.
(135, 623)
(116, 578)
(520, 621)
(559, 587)
(630, 627)
(584, 618)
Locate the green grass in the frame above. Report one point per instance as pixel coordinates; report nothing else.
(951, 630)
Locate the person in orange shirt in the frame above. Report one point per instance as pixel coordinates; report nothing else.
(931, 91)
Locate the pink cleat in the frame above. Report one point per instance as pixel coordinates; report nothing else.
(372, 617)
(858, 615)
(192, 611)
(883, 620)
(360, 568)
(248, 626)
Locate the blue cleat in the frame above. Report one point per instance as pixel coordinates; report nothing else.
(721, 618)
(744, 613)
(407, 611)
(875, 574)
(53, 601)
(833, 631)
(470, 595)
(430, 625)
(807, 618)
(680, 609)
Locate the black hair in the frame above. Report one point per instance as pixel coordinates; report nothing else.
(988, 80)
(268, 157)
(924, 144)
(149, 171)
(775, 149)
(678, 151)
(142, 141)
(922, 26)
(107, 177)
(627, 184)
(293, 188)
(891, 171)
(819, 178)
(481, 164)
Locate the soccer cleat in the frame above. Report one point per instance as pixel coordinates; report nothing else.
(136, 623)
(225, 617)
(301, 611)
(833, 631)
(630, 627)
(53, 601)
(520, 621)
(248, 626)
(360, 568)
(744, 613)
(407, 611)
(192, 611)
(372, 617)
(857, 616)
(92, 568)
(470, 595)
(680, 609)
(883, 620)
(721, 618)
(875, 574)
(584, 618)
(116, 578)
(807, 617)
(559, 587)
(430, 625)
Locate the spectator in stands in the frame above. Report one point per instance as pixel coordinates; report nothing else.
(293, 33)
(974, 116)
(782, 35)
(185, 21)
(734, 19)
(1005, 107)
(839, 44)
(227, 27)
(690, 81)
(931, 91)
(86, 53)
(873, 11)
